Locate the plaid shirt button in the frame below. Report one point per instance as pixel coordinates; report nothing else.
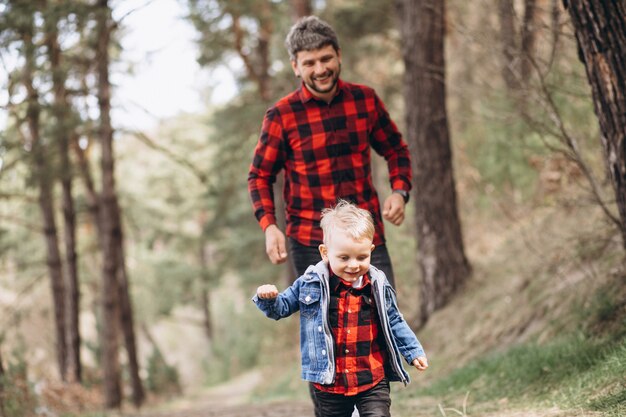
(319, 329)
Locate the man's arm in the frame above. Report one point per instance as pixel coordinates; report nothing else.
(387, 142)
(269, 159)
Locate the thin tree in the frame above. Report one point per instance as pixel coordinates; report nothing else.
(508, 34)
(110, 323)
(2, 376)
(61, 111)
(44, 180)
(441, 254)
(115, 283)
(300, 8)
(600, 28)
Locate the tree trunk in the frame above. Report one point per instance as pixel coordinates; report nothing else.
(441, 254)
(300, 8)
(60, 110)
(205, 295)
(529, 36)
(46, 203)
(110, 348)
(115, 276)
(601, 36)
(205, 299)
(127, 318)
(2, 409)
(508, 34)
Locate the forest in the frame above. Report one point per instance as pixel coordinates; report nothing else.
(130, 252)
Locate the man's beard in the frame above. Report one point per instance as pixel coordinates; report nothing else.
(335, 77)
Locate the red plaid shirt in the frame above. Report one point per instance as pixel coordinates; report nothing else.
(325, 151)
(360, 354)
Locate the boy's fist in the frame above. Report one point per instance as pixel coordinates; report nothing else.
(420, 363)
(267, 292)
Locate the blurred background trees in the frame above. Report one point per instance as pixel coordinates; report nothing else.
(147, 238)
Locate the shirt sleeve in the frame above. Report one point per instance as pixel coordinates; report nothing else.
(387, 141)
(269, 159)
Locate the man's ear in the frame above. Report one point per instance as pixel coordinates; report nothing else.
(324, 252)
(294, 66)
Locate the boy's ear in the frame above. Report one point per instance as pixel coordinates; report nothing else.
(323, 252)
(372, 249)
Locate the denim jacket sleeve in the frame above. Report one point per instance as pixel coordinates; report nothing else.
(282, 306)
(406, 341)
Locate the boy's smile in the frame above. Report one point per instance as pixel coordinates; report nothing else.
(348, 258)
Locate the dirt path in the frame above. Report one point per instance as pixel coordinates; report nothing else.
(228, 400)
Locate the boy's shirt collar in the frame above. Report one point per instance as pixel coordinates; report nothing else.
(336, 282)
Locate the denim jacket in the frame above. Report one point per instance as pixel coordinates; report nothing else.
(310, 295)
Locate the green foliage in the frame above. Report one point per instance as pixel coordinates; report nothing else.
(240, 332)
(162, 378)
(18, 399)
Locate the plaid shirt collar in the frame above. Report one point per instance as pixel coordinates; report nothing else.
(336, 283)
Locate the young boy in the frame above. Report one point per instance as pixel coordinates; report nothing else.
(352, 335)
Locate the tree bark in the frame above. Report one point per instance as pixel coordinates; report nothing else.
(205, 294)
(529, 36)
(115, 276)
(127, 319)
(2, 382)
(110, 348)
(45, 199)
(601, 36)
(300, 8)
(508, 33)
(60, 110)
(441, 255)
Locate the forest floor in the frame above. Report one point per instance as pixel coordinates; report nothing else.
(232, 399)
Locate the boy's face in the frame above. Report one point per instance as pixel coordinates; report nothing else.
(347, 257)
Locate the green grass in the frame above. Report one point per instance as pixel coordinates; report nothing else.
(571, 373)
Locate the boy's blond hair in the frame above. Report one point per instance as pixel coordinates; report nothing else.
(345, 216)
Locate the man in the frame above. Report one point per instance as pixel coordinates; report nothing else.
(321, 136)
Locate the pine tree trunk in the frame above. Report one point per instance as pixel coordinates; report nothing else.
(529, 36)
(508, 34)
(60, 110)
(2, 382)
(205, 294)
(127, 318)
(115, 277)
(601, 36)
(110, 331)
(46, 203)
(441, 255)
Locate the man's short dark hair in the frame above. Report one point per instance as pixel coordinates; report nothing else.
(308, 34)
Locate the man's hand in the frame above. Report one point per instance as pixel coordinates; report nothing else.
(268, 292)
(393, 209)
(420, 363)
(275, 245)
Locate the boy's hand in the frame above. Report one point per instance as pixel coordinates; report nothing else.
(268, 292)
(420, 363)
